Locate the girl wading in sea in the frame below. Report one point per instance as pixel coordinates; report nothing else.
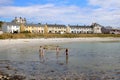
(66, 52)
(57, 49)
(41, 51)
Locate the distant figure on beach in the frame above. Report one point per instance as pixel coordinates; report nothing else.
(57, 49)
(66, 51)
(41, 51)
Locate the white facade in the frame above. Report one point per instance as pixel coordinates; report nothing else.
(1, 32)
(10, 28)
(56, 28)
(96, 28)
(80, 29)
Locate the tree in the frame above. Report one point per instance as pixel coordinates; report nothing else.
(1, 24)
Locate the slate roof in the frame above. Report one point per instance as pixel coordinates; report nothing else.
(35, 25)
(11, 23)
(96, 24)
(78, 26)
(55, 25)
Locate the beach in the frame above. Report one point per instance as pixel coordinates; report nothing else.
(35, 70)
(54, 40)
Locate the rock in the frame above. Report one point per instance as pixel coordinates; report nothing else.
(1, 76)
(61, 63)
(52, 71)
(17, 77)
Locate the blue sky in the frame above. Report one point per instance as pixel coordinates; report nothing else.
(81, 3)
(104, 12)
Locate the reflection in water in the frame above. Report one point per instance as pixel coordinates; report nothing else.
(66, 59)
(42, 60)
(57, 55)
(57, 52)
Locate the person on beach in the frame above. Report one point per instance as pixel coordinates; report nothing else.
(57, 49)
(66, 51)
(41, 51)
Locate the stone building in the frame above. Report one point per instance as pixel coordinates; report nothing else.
(96, 28)
(32, 28)
(55, 28)
(19, 20)
(9, 27)
(77, 29)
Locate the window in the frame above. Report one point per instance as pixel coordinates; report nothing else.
(50, 31)
(32, 30)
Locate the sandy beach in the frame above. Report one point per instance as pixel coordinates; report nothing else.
(43, 41)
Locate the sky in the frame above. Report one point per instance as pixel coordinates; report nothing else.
(80, 12)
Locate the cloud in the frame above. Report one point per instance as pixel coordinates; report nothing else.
(65, 14)
(48, 13)
(5, 2)
(107, 13)
(105, 3)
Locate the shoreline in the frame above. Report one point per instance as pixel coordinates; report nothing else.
(44, 41)
(11, 43)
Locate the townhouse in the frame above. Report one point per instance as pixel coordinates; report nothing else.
(51, 28)
(79, 29)
(94, 28)
(55, 28)
(19, 25)
(9, 27)
(34, 28)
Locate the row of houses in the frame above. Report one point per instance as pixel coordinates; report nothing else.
(19, 24)
(10, 27)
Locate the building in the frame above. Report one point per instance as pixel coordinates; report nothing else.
(34, 28)
(19, 25)
(9, 27)
(55, 28)
(19, 20)
(110, 30)
(1, 32)
(96, 28)
(114, 31)
(79, 29)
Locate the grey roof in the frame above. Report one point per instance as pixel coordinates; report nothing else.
(36, 25)
(11, 23)
(55, 25)
(78, 26)
(96, 24)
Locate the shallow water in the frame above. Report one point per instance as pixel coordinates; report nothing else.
(83, 56)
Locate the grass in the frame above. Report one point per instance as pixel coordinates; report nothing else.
(31, 35)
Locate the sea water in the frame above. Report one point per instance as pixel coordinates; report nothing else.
(82, 55)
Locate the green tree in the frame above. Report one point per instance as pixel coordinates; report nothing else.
(1, 24)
